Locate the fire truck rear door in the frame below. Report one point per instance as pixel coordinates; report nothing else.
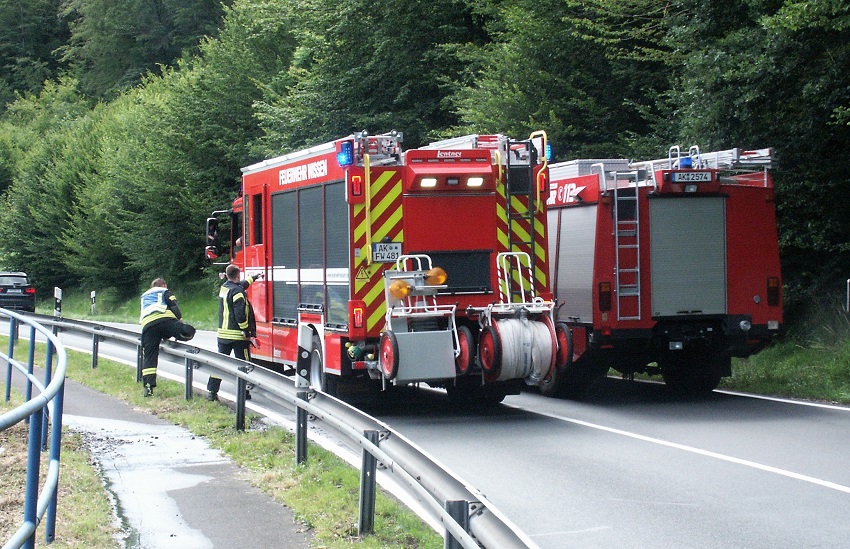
(688, 255)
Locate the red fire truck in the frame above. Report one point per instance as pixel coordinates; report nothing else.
(664, 267)
(400, 264)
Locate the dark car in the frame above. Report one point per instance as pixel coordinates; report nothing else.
(16, 292)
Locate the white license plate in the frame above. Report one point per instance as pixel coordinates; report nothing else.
(14, 291)
(386, 252)
(691, 177)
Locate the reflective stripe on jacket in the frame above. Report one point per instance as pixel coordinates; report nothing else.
(235, 315)
(158, 303)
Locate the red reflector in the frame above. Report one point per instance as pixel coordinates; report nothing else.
(773, 291)
(604, 296)
(606, 331)
(358, 365)
(356, 185)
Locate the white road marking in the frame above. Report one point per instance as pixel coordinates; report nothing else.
(699, 451)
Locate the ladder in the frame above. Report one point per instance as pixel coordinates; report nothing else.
(627, 244)
(520, 159)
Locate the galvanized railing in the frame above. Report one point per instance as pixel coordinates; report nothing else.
(44, 413)
(470, 521)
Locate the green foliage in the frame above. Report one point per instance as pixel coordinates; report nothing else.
(30, 31)
(363, 65)
(113, 44)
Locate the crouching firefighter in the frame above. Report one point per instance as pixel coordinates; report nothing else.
(160, 319)
(237, 328)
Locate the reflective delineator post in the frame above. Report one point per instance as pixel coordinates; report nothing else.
(93, 294)
(302, 381)
(57, 302)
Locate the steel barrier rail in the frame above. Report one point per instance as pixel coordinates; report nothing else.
(40, 409)
(430, 483)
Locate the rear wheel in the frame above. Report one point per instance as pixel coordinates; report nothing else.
(691, 374)
(554, 382)
(490, 353)
(389, 355)
(466, 346)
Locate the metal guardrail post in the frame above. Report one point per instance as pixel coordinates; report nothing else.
(458, 510)
(190, 378)
(33, 465)
(301, 430)
(368, 487)
(240, 404)
(95, 344)
(55, 453)
(10, 354)
(139, 363)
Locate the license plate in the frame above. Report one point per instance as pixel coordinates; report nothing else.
(386, 252)
(14, 291)
(691, 177)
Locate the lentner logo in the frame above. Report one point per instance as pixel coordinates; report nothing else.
(448, 154)
(296, 174)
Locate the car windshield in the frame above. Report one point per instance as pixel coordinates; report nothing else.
(11, 280)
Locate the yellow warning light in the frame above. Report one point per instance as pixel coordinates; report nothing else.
(400, 289)
(436, 277)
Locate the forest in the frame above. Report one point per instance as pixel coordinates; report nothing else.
(124, 124)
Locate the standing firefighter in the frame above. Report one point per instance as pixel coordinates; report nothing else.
(236, 324)
(160, 319)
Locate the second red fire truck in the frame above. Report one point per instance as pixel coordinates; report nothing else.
(426, 265)
(665, 267)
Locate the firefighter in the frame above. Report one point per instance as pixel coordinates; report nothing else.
(236, 325)
(160, 319)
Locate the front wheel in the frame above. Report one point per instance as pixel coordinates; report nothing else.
(319, 379)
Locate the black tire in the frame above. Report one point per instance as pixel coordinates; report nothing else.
(319, 379)
(490, 353)
(691, 374)
(464, 361)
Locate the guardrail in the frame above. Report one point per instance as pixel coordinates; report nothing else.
(39, 410)
(469, 519)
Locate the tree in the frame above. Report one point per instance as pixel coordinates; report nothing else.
(113, 44)
(368, 65)
(30, 31)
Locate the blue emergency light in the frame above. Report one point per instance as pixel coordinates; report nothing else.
(345, 156)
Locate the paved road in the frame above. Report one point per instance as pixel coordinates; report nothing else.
(632, 467)
(173, 490)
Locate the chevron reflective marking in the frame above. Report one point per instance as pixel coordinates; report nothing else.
(386, 219)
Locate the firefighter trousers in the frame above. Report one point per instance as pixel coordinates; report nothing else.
(241, 348)
(152, 335)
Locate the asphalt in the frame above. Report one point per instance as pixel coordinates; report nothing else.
(171, 489)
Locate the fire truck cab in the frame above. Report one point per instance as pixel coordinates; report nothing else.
(667, 267)
(400, 266)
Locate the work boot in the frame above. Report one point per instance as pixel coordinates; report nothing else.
(212, 396)
(148, 391)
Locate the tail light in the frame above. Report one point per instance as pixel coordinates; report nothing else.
(773, 291)
(604, 296)
(357, 319)
(30, 291)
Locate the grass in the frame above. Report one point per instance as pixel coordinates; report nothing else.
(323, 493)
(84, 515)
